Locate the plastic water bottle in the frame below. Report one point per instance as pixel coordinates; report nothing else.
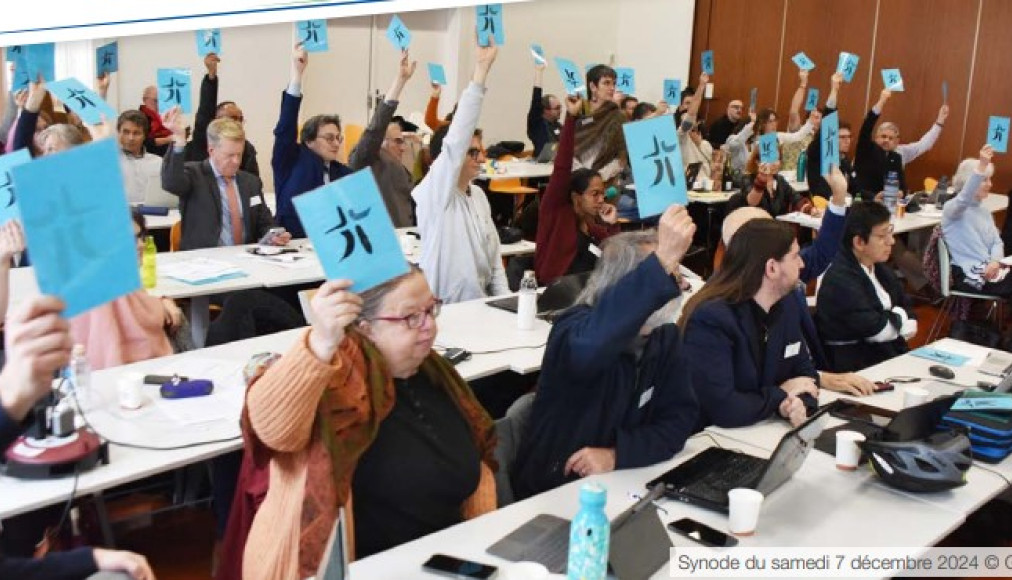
(80, 376)
(149, 268)
(527, 303)
(802, 167)
(941, 192)
(891, 193)
(589, 535)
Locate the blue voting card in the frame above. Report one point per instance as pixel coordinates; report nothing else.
(804, 63)
(673, 92)
(41, 60)
(208, 41)
(829, 136)
(989, 402)
(941, 356)
(106, 59)
(489, 22)
(892, 79)
(8, 196)
(351, 231)
(83, 101)
(77, 225)
(707, 61)
(657, 167)
(753, 98)
(769, 148)
(398, 34)
(847, 65)
(312, 34)
(437, 74)
(812, 100)
(174, 90)
(538, 53)
(11, 53)
(20, 80)
(945, 92)
(625, 80)
(997, 134)
(572, 78)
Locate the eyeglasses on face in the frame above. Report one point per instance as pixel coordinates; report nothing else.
(417, 319)
(332, 138)
(474, 153)
(397, 140)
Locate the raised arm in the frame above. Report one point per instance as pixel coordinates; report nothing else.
(432, 109)
(367, 150)
(691, 113)
(794, 116)
(556, 197)
(834, 91)
(286, 132)
(24, 132)
(102, 85)
(534, 113)
(12, 241)
(197, 147)
(175, 180)
(911, 151)
(967, 196)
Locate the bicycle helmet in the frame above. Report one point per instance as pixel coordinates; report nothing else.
(936, 463)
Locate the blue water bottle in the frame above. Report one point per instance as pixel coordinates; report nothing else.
(802, 167)
(891, 193)
(589, 535)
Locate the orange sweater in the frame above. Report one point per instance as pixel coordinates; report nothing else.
(432, 115)
(282, 406)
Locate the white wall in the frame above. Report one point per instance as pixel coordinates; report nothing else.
(653, 36)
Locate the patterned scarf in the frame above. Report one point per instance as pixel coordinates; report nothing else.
(604, 133)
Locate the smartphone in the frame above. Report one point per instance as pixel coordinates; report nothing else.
(161, 379)
(457, 568)
(883, 386)
(702, 533)
(456, 355)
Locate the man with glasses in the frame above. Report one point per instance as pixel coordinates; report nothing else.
(460, 244)
(207, 111)
(543, 125)
(381, 147)
(727, 125)
(303, 161)
(862, 313)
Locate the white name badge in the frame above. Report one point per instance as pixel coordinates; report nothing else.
(594, 249)
(255, 202)
(792, 350)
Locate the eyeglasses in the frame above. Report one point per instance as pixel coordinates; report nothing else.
(474, 153)
(397, 140)
(331, 138)
(416, 320)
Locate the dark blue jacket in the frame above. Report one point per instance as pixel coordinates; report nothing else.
(296, 168)
(719, 345)
(593, 392)
(818, 256)
(73, 565)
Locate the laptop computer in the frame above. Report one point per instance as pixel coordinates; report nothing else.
(705, 479)
(558, 296)
(638, 548)
(998, 363)
(547, 154)
(909, 424)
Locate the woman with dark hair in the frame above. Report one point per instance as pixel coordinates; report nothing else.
(740, 146)
(360, 401)
(573, 218)
(600, 143)
(745, 320)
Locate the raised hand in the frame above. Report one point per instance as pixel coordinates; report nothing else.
(334, 308)
(674, 235)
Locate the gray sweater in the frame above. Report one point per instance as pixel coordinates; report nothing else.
(394, 180)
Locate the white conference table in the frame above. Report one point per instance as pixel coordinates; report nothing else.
(927, 217)
(472, 325)
(820, 506)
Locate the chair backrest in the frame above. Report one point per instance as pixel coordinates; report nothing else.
(352, 135)
(305, 300)
(820, 202)
(175, 235)
(944, 265)
(508, 430)
(930, 183)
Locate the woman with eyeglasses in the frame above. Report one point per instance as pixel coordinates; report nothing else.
(363, 409)
(303, 161)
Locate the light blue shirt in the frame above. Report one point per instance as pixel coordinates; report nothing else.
(225, 239)
(970, 232)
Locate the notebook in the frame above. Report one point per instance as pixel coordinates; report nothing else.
(705, 479)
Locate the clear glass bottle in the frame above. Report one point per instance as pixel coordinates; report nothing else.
(79, 376)
(891, 192)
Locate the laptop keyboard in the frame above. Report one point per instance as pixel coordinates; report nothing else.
(552, 550)
(739, 470)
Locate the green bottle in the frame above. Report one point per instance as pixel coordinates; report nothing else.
(149, 268)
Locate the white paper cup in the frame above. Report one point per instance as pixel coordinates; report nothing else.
(128, 390)
(913, 396)
(743, 512)
(523, 571)
(848, 454)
